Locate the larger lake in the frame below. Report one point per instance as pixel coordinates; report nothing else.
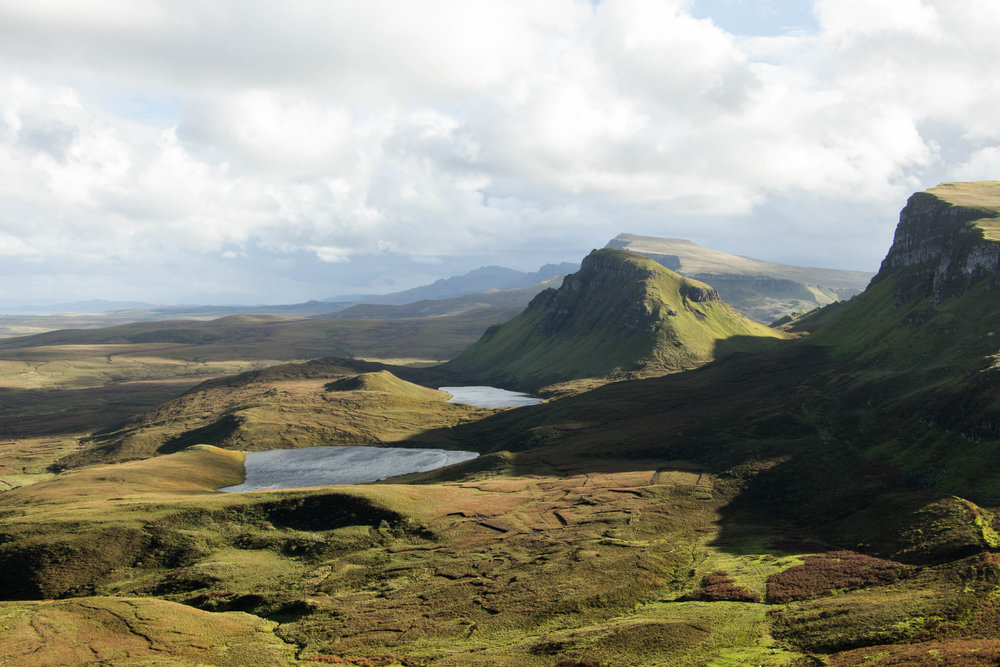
(489, 397)
(320, 466)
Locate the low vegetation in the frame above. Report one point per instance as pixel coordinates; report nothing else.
(830, 572)
(845, 473)
(622, 316)
(718, 586)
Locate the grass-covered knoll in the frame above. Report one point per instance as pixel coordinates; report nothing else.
(621, 313)
(323, 402)
(134, 631)
(385, 382)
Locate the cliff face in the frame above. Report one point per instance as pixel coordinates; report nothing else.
(942, 247)
(618, 289)
(763, 291)
(621, 313)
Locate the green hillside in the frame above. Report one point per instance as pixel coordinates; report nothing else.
(622, 313)
(828, 499)
(861, 429)
(318, 403)
(763, 291)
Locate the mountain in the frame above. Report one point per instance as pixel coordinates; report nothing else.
(831, 498)
(877, 431)
(507, 303)
(479, 280)
(762, 291)
(621, 313)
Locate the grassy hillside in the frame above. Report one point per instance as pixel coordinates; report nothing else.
(827, 499)
(59, 387)
(621, 313)
(534, 560)
(324, 402)
(763, 291)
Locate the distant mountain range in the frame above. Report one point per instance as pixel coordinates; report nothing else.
(763, 291)
(483, 279)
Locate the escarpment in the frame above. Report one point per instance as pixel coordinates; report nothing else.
(621, 313)
(943, 242)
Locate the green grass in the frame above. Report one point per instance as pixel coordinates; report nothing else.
(135, 631)
(983, 195)
(621, 313)
(577, 536)
(300, 405)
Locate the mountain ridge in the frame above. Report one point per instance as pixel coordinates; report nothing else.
(478, 280)
(763, 291)
(621, 313)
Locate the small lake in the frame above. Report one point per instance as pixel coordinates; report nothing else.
(489, 397)
(320, 466)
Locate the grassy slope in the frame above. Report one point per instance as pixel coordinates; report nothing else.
(535, 561)
(621, 313)
(58, 387)
(135, 631)
(324, 402)
(561, 552)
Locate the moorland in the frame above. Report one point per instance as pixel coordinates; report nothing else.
(697, 488)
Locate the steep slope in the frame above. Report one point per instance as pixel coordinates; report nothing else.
(763, 291)
(873, 431)
(620, 313)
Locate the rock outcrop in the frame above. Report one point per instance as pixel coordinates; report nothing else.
(622, 313)
(941, 241)
(763, 291)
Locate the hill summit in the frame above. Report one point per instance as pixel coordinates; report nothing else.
(763, 291)
(622, 312)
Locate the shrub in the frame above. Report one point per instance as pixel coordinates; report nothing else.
(718, 586)
(835, 570)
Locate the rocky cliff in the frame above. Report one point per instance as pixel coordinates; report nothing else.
(943, 242)
(621, 313)
(763, 291)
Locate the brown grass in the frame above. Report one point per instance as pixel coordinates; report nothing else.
(718, 586)
(960, 653)
(834, 570)
(134, 631)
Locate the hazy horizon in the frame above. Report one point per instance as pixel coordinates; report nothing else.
(244, 152)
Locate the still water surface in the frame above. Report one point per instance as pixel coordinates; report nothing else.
(319, 466)
(489, 397)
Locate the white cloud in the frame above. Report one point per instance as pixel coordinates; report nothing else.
(500, 131)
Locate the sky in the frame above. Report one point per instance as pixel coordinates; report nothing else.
(241, 151)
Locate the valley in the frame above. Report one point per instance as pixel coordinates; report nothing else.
(695, 488)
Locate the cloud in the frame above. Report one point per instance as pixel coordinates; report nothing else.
(471, 131)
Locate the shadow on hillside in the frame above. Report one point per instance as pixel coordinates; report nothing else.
(762, 419)
(28, 413)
